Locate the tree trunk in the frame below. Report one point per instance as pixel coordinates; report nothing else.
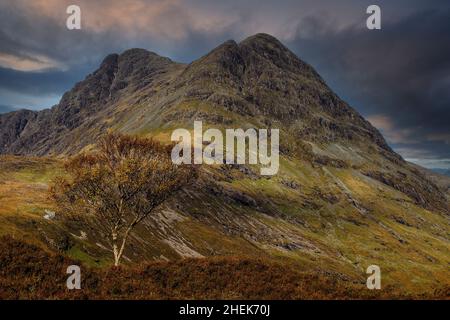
(115, 250)
(122, 247)
(119, 252)
(116, 255)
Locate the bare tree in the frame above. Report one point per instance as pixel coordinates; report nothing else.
(119, 185)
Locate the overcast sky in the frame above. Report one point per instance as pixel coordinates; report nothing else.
(397, 77)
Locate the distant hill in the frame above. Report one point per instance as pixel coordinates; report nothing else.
(445, 172)
(5, 109)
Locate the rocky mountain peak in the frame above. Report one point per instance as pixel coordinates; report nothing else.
(137, 68)
(264, 43)
(252, 60)
(223, 61)
(110, 61)
(259, 52)
(138, 57)
(263, 50)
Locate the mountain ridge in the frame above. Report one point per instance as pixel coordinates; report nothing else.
(139, 67)
(255, 83)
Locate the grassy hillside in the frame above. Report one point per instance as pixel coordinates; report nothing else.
(330, 221)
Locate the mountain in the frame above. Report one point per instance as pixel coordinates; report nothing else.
(342, 200)
(256, 83)
(258, 78)
(445, 172)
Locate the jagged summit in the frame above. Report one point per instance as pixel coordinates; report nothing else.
(270, 49)
(109, 60)
(263, 37)
(260, 51)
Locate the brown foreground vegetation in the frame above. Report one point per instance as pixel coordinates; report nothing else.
(29, 272)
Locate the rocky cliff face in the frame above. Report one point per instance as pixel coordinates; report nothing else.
(73, 123)
(12, 125)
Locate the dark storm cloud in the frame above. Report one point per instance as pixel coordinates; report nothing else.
(403, 69)
(39, 56)
(50, 82)
(26, 35)
(398, 77)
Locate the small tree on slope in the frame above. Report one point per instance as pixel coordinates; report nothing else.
(120, 185)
